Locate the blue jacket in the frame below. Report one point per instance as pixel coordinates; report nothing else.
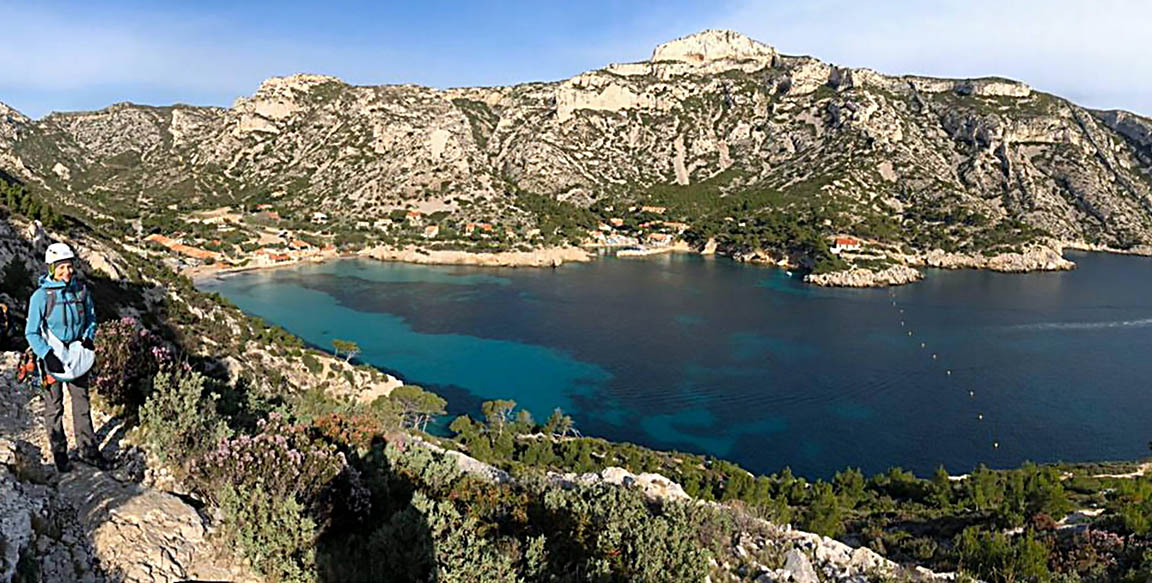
(73, 317)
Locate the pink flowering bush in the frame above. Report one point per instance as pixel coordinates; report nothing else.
(128, 356)
(282, 458)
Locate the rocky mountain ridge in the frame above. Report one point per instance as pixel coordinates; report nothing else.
(728, 134)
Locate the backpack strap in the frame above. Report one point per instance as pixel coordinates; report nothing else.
(49, 305)
(51, 300)
(82, 295)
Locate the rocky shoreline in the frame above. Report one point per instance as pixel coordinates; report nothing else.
(1034, 258)
(860, 277)
(1038, 257)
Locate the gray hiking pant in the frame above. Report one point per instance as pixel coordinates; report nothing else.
(81, 415)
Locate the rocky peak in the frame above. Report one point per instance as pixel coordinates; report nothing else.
(300, 82)
(10, 115)
(713, 45)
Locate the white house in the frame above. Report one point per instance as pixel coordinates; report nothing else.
(845, 244)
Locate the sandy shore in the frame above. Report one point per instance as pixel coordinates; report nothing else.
(547, 257)
(210, 271)
(678, 247)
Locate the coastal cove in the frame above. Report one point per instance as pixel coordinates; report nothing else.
(705, 354)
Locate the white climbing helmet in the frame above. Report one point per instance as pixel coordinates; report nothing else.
(58, 252)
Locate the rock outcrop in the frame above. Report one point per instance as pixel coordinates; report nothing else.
(654, 486)
(807, 557)
(1035, 258)
(861, 277)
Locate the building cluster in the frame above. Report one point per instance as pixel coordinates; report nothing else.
(651, 234)
(296, 250)
(186, 250)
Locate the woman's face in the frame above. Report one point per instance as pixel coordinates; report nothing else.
(63, 271)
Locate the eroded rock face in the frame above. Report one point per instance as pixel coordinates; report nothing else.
(1035, 258)
(714, 45)
(144, 535)
(16, 513)
(654, 486)
(715, 107)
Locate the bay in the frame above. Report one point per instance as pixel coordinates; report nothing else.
(711, 356)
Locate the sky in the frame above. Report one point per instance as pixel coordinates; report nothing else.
(68, 56)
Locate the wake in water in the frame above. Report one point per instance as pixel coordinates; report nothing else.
(1084, 325)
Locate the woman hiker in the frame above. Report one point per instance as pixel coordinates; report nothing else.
(60, 329)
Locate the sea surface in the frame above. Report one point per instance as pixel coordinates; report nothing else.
(744, 362)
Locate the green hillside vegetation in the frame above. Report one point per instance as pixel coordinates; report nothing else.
(943, 523)
(311, 487)
(15, 198)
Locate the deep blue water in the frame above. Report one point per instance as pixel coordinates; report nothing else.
(707, 355)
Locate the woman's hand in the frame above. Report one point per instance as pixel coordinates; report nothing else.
(52, 363)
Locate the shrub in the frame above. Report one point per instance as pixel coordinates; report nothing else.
(311, 363)
(128, 357)
(178, 422)
(282, 459)
(273, 533)
(612, 533)
(995, 557)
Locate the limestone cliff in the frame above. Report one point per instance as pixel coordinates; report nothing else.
(965, 166)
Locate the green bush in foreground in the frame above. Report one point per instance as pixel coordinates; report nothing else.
(178, 422)
(998, 558)
(274, 533)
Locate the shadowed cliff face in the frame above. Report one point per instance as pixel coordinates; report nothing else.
(930, 163)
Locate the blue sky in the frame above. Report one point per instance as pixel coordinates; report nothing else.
(74, 56)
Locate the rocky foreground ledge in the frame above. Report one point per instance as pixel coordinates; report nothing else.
(89, 526)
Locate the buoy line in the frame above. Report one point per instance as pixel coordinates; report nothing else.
(988, 427)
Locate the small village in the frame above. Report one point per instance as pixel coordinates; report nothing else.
(228, 239)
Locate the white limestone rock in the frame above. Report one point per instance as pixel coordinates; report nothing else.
(714, 45)
(796, 564)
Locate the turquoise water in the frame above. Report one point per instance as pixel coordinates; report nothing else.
(707, 355)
